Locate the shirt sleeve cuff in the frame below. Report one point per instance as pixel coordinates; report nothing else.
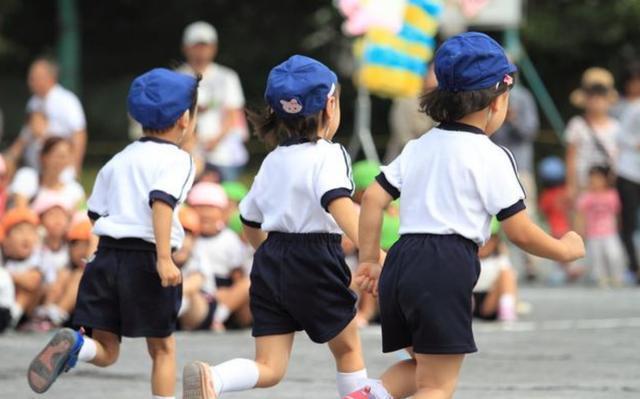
(157, 195)
(512, 210)
(93, 215)
(332, 195)
(250, 223)
(388, 187)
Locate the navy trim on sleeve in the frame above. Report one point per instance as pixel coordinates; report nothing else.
(515, 168)
(512, 210)
(388, 187)
(157, 195)
(249, 223)
(347, 165)
(332, 195)
(93, 215)
(188, 177)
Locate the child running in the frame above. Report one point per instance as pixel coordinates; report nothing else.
(297, 208)
(450, 182)
(132, 287)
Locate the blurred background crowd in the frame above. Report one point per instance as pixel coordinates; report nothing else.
(62, 115)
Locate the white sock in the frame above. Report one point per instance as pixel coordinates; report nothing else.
(221, 314)
(16, 314)
(378, 390)
(507, 301)
(235, 375)
(350, 382)
(88, 350)
(163, 397)
(184, 306)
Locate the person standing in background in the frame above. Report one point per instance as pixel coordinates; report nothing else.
(630, 85)
(591, 137)
(628, 165)
(518, 134)
(63, 111)
(222, 128)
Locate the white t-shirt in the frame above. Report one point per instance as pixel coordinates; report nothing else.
(7, 290)
(452, 182)
(588, 155)
(220, 90)
(51, 262)
(27, 183)
(21, 266)
(629, 143)
(216, 256)
(294, 186)
(64, 114)
(146, 170)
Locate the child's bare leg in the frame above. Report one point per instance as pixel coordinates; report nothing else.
(107, 348)
(163, 373)
(235, 296)
(272, 357)
(347, 351)
(437, 375)
(506, 284)
(68, 300)
(196, 313)
(400, 379)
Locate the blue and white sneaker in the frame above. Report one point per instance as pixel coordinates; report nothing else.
(60, 354)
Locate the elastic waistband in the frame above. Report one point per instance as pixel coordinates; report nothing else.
(130, 243)
(305, 237)
(441, 237)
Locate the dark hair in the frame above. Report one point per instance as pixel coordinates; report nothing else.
(192, 109)
(602, 170)
(449, 106)
(272, 129)
(51, 142)
(630, 72)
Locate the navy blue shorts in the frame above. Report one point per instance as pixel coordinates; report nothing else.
(120, 292)
(301, 282)
(425, 294)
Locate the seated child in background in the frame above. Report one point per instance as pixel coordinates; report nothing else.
(7, 299)
(236, 191)
(494, 295)
(20, 259)
(220, 254)
(59, 303)
(598, 209)
(555, 205)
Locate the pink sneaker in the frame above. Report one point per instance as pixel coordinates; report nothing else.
(360, 394)
(197, 382)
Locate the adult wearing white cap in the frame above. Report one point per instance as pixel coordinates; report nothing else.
(222, 130)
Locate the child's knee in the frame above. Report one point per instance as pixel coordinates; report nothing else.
(109, 356)
(161, 347)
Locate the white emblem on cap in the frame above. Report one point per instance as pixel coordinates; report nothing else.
(292, 106)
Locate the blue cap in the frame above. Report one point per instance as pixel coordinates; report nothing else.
(159, 97)
(551, 169)
(300, 86)
(471, 61)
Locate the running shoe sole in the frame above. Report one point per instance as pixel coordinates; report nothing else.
(49, 363)
(197, 382)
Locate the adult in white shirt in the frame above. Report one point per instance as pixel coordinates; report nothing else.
(222, 128)
(62, 110)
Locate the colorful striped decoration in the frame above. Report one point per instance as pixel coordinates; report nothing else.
(394, 64)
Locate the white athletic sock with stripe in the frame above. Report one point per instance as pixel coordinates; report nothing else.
(350, 382)
(235, 375)
(88, 350)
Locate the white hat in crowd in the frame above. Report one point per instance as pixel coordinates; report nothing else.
(199, 32)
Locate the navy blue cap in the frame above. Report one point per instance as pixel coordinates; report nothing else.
(471, 61)
(159, 97)
(300, 86)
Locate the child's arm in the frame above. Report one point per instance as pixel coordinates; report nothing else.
(162, 214)
(346, 216)
(525, 234)
(29, 280)
(254, 235)
(374, 201)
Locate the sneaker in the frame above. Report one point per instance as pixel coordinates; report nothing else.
(197, 382)
(363, 393)
(60, 354)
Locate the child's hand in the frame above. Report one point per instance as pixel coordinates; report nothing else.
(169, 273)
(574, 246)
(367, 277)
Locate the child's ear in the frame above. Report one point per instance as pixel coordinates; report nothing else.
(183, 121)
(499, 102)
(330, 108)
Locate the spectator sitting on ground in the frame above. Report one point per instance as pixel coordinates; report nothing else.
(599, 208)
(59, 304)
(591, 137)
(56, 156)
(19, 258)
(220, 255)
(222, 128)
(495, 293)
(7, 298)
(62, 110)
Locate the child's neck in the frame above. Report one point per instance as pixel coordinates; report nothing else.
(174, 136)
(53, 243)
(597, 118)
(50, 180)
(476, 119)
